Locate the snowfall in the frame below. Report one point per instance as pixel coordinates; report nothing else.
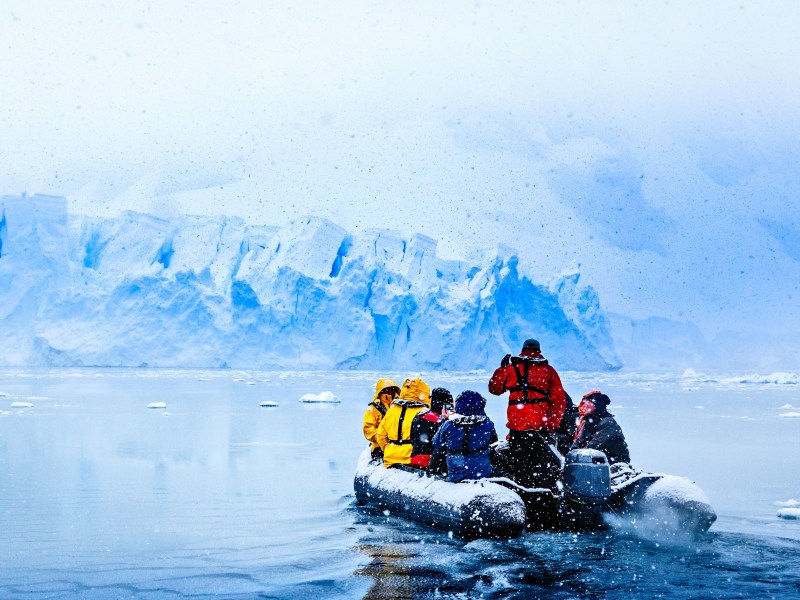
(181, 405)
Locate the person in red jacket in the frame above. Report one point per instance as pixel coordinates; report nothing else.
(535, 409)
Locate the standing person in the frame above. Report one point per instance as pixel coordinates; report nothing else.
(535, 409)
(598, 429)
(394, 431)
(386, 390)
(463, 440)
(425, 425)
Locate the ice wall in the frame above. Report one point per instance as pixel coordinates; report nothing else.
(216, 292)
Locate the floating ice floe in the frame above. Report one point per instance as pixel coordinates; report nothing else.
(157, 405)
(791, 415)
(269, 404)
(21, 405)
(791, 514)
(39, 398)
(4, 394)
(690, 375)
(779, 378)
(251, 383)
(326, 397)
(786, 407)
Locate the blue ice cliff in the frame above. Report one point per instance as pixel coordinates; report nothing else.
(217, 292)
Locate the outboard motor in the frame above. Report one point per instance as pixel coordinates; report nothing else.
(587, 477)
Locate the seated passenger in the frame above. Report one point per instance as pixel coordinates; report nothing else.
(597, 428)
(425, 425)
(386, 390)
(394, 431)
(565, 434)
(463, 440)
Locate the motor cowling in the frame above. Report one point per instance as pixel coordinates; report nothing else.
(587, 477)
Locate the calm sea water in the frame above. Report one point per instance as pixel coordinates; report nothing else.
(214, 496)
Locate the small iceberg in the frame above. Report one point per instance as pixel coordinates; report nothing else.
(791, 415)
(322, 397)
(21, 405)
(4, 394)
(157, 405)
(791, 514)
(269, 404)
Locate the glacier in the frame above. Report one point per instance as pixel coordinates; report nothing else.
(202, 291)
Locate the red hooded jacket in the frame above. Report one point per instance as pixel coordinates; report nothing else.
(545, 402)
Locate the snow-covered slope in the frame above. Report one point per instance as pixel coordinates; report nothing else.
(215, 291)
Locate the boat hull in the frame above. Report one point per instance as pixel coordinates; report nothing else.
(473, 509)
(658, 502)
(499, 508)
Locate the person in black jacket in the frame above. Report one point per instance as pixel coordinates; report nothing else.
(565, 434)
(597, 428)
(425, 425)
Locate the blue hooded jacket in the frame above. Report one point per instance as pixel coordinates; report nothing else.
(464, 439)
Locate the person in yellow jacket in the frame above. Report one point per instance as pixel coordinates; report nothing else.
(386, 390)
(394, 432)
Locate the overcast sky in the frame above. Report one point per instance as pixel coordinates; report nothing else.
(654, 145)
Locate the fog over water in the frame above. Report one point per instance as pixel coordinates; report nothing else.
(652, 147)
(104, 497)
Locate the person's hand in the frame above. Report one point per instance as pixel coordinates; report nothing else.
(505, 361)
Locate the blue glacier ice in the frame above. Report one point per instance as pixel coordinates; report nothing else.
(205, 291)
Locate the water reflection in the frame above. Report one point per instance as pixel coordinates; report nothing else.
(391, 572)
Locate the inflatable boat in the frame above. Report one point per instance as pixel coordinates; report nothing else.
(591, 495)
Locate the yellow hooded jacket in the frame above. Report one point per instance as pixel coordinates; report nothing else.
(376, 409)
(394, 432)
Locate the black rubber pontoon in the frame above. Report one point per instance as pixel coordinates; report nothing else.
(471, 509)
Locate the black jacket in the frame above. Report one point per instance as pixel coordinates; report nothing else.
(601, 431)
(424, 426)
(565, 434)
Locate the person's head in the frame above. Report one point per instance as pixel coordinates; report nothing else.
(594, 402)
(441, 400)
(416, 390)
(470, 403)
(530, 346)
(386, 390)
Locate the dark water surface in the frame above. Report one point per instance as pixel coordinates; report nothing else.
(101, 497)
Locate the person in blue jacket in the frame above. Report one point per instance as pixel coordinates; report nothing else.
(462, 442)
